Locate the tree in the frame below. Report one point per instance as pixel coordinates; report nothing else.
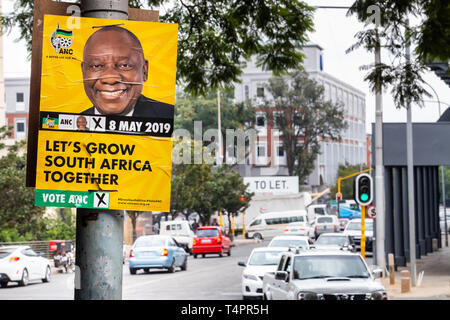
(133, 215)
(232, 194)
(391, 29)
(299, 111)
(347, 184)
(217, 37)
(63, 227)
(20, 219)
(193, 186)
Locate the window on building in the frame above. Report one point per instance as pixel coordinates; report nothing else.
(20, 127)
(246, 92)
(260, 92)
(280, 151)
(19, 97)
(261, 151)
(260, 121)
(20, 103)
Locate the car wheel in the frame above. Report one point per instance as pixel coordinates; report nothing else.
(229, 251)
(146, 270)
(25, 278)
(172, 267)
(220, 254)
(203, 255)
(4, 284)
(195, 256)
(132, 271)
(257, 236)
(48, 273)
(184, 265)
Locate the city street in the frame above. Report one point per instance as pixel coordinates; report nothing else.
(209, 278)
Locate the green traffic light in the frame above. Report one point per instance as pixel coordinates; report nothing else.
(364, 197)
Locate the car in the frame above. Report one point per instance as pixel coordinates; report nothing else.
(299, 229)
(211, 240)
(22, 264)
(353, 229)
(325, 224)
(335, 241)
(342, 223)
(181, 230)
(323, 275)
(260, 261)
(290, 241)
(157, 252)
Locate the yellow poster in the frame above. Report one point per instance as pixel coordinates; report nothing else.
(106, 114)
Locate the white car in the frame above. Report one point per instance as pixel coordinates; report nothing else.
(353, 229)
(299, 229)
(287, 242)
(21, 264)
(261, 260)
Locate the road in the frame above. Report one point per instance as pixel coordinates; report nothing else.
(209, 278)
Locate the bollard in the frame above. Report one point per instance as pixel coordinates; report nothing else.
(405, 281)
(391, 267)
(435, 244)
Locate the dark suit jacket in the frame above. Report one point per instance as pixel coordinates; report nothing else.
(146, 108)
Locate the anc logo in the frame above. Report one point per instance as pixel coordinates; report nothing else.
(61, 40)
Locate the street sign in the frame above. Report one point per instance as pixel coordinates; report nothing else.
(371, 212)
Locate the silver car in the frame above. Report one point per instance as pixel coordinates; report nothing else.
(325, 224)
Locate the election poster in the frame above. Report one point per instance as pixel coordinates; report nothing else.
(106, 114)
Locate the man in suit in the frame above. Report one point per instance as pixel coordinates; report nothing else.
(114, 70)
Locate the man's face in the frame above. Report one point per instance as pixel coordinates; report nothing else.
(81, 123)
(114, 70)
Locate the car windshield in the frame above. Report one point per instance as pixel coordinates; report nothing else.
(315, 267)
(340, 241)
(289, 243)
(356, 225)
(265, 258)
(325, 220)
(4, 252)
(150, 242)
(207, 233)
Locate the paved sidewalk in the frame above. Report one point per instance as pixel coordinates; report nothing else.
(435, 283)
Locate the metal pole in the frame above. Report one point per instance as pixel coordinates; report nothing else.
(379, 171)
(219, 128)
(410, 168)
(363, 232)
(99, 233)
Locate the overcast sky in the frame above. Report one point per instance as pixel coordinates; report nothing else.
(334, 31)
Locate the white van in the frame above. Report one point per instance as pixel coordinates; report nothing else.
(270, 224)
(181, 230)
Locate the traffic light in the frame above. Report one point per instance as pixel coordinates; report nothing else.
(363, 188)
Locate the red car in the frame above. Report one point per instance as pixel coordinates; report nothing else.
(211, 239)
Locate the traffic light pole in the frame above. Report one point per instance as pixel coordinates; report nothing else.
(99, 233)
(363, 232)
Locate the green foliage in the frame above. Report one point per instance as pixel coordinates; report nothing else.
(63, 227)
(204, 189)
(217, 37)
(347, 184)
(392, 30)
(300, 113)
(447, 183)
(19, 218)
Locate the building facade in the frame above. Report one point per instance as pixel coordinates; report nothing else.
(17, 98)
(269, 158)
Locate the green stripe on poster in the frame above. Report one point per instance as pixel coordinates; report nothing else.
(71, 199)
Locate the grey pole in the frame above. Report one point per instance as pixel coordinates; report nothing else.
(379, 173)
(99, 234)
(410, 168)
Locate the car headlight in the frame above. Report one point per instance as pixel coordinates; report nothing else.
(307, 295)
(250, 277)
(379, 295)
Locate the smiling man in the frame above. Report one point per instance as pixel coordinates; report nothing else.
(114, 71)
